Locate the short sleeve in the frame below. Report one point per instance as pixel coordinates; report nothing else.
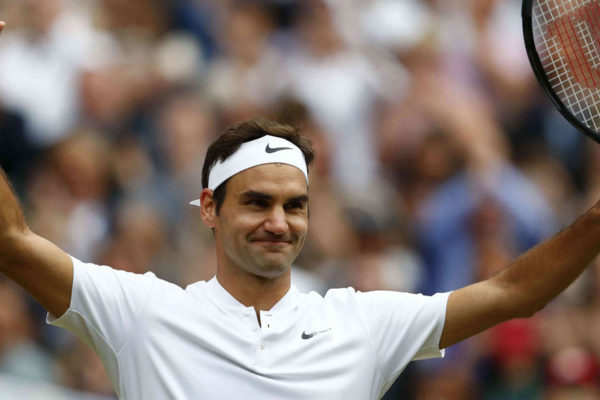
(403, 327)
(105, 304)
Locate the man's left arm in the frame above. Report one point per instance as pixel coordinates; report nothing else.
(527, 285)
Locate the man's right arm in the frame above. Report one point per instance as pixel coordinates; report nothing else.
(37, 265)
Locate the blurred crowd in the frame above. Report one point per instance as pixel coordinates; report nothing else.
(439, 160)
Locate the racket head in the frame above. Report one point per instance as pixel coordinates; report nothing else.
(562, 39)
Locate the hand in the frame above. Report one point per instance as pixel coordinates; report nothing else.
(2, 25)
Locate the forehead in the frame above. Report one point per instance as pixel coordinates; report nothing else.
(273, 179)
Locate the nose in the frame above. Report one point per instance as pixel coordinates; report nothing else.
(276, 222)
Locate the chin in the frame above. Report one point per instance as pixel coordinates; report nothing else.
(272, 272)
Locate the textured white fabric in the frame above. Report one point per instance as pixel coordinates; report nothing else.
(264, 150)
(159, 341)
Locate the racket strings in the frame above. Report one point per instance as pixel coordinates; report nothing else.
(566, 36)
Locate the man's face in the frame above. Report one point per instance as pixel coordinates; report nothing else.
(263, 220)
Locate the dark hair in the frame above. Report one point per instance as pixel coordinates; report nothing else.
(237, 134)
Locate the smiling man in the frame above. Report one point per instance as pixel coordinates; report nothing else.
(248, 333)
(256, 202)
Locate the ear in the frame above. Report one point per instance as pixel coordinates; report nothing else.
(208, 208)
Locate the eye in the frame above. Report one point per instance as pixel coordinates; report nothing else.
(294, 205)
(257, 203)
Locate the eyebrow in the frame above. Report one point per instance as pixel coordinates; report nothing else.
(255, 195)
(302, 198)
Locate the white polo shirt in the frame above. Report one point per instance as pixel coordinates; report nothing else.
(158, 341)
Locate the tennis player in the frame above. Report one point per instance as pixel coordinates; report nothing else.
(248, 332)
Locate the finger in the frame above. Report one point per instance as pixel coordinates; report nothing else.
(2, 25)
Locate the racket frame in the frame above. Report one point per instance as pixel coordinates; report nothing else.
(542, 78)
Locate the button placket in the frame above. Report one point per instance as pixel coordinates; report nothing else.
(266, 325)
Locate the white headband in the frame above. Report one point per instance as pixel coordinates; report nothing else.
(264, 150)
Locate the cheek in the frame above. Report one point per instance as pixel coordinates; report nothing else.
(299, 225)
(240, 226)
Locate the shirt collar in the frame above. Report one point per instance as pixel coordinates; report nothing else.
(223, 299)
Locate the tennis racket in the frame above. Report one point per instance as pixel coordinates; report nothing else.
(562, 38)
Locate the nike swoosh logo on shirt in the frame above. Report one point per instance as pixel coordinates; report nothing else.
(270, 149)
(309, 335)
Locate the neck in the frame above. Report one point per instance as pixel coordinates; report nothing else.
(252, 290)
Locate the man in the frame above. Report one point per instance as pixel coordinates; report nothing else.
(248, 333)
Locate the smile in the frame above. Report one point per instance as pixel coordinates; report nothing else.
(272, 243)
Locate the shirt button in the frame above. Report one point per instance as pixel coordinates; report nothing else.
(262, 346)
(254, 329)
(246, 312)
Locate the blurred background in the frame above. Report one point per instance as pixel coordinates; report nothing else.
(439, 160)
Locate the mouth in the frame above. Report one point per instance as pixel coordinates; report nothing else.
(271, 243)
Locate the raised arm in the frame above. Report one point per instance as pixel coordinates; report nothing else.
(40, 267)
(528, 284)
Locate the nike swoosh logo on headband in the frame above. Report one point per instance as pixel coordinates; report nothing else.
(270, 149)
